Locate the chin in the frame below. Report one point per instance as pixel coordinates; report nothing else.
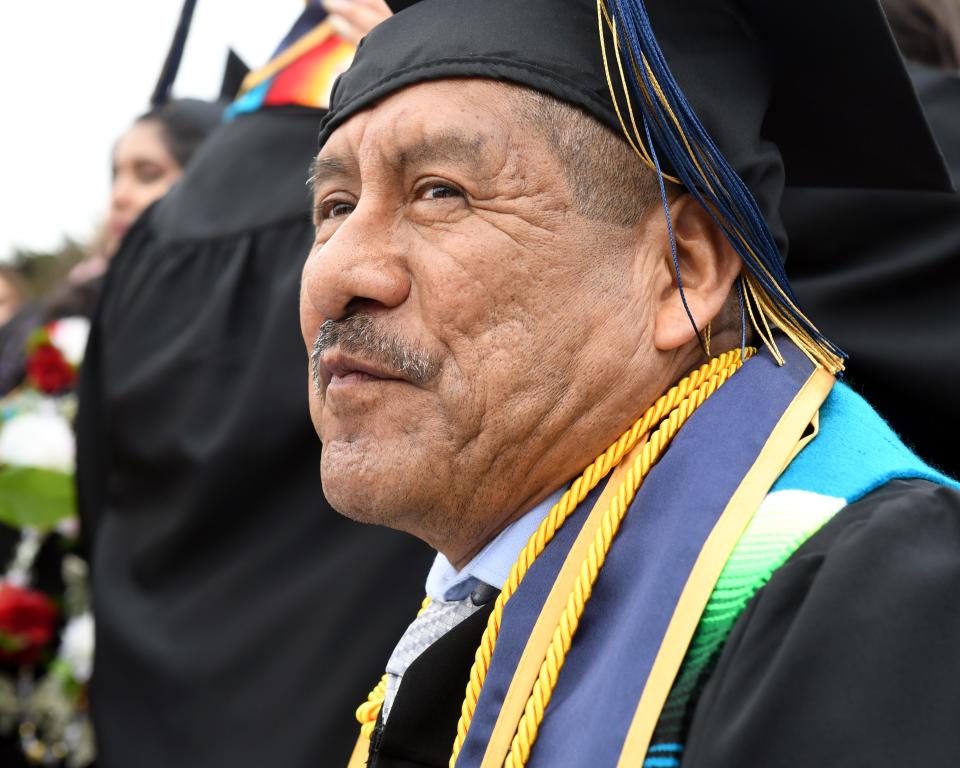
(369, 484)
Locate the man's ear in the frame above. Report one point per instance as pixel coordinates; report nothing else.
(708, 268)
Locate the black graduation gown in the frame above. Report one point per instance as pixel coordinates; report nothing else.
(879, 272)
(240, 621)
(847, 657)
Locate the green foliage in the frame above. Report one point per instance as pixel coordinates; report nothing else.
(43, 271)
(39, 498)
(12, 643)
(39, 338)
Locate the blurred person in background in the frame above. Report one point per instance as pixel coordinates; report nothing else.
(151, 156)
(45, 623)
(222, 581)
(12, 293)
(147, 159)
(18, 317)
(881, 268)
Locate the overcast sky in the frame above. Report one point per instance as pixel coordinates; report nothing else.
(76, 72)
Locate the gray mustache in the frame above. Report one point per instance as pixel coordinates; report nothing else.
(360, 335)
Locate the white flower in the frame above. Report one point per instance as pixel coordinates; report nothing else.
(76, 647)
(42, 440)
(69, 527)
(69, 335)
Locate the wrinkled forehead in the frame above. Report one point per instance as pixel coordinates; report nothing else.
(450, 118)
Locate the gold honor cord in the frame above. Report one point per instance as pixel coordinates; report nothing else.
(559, 513)
(566, 628)
(763, 308)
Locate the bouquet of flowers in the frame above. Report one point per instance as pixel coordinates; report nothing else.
(46, 629)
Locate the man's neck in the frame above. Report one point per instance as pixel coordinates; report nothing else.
(491, 565)
(523, 511)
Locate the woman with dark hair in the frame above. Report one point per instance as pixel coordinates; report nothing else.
(147, 159)
(151, 156)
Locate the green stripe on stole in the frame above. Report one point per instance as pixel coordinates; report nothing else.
(783, 522)
(854, 453)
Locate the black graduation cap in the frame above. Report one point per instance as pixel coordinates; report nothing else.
(732, 98)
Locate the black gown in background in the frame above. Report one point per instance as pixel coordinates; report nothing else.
(879, 272)
(240, 620)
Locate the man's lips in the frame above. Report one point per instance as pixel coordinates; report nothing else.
(338, 369)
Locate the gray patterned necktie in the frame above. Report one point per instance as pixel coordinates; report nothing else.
(437, 619)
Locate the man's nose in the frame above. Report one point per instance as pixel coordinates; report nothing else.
(362, 265)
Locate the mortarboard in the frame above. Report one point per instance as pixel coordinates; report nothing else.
(732, 98)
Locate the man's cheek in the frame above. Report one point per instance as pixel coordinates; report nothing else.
(315, 401)
(309, 318)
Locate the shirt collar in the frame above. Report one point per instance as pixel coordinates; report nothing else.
(492, 564)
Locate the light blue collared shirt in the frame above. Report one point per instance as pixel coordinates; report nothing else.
(450, 588)
(492, 564)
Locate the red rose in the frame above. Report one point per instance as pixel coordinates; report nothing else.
(48, 371)
(27, 621)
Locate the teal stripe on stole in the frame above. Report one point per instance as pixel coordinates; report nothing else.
(857, 454)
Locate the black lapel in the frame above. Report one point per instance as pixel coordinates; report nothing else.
(423, 720)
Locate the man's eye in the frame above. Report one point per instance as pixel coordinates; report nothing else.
(440, 191)
(334, 209)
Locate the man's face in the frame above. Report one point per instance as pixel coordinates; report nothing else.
(464, 321)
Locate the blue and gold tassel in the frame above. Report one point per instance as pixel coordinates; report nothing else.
(667, 122)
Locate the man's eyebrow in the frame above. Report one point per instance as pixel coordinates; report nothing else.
(449, 146)
(324, 168)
